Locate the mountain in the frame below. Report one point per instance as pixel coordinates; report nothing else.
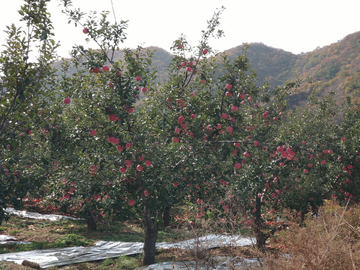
(335, 67)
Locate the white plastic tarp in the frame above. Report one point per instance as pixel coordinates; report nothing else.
(108, 249)
(26, 214)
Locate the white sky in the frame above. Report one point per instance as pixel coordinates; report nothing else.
(292, 25)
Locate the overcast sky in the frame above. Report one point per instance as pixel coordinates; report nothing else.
(291, 25)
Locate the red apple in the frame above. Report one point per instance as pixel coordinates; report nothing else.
(188, 69)
(175, 184)
(148, 163)
(146, 193)
(139, 168)
(119, 148)
(205, 51)
(66, 100)
(228, 86)
(143, 89)
(105, 68)
(223, 115)
(237, 166)
(128, 145)
(229, 129)
(176, 139)
(131, 202)
(128, 162)
(85, 31)
(181, 119)
(93, 132)
(137, 78)
(112, 117)
(193, 116)
(228, 94)
(96, 70)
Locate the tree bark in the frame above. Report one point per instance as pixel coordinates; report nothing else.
(151, 233)
(166, 216)
(260, 236)
(91, 223)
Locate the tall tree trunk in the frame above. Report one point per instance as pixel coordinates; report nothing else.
(151, 233)
(91, 223)
(166, 216)
(260, 236)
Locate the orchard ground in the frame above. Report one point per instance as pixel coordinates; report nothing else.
(332, 236)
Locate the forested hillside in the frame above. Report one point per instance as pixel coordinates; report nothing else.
(335, 67)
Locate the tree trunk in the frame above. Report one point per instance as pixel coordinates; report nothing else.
(166, 216)
(260, 236)
(151, 233)
(91, 223)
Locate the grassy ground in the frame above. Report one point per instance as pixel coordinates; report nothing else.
(327, 241)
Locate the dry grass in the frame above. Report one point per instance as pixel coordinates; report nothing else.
(328, 241)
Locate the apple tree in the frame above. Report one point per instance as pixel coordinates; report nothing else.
(26, 80)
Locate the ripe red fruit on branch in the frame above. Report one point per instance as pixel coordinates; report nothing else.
(112, 117)
(105, 68)
(93, 132)
(181, 119)
(146, 193)
(237, 166)
(131, 202)
(148, 163)
(128, 145)
(205, 51)
(119, 148)
(66, 100)
(229, 129)
(246, 154)
(139, 168)
(228, 86)
(223, 115)
(176, 139)
(122, 170)
(85, 31)
(175, 184)
(188, 69)
(144, 89)
(228, 94)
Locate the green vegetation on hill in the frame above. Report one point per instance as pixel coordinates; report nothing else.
(335, 67)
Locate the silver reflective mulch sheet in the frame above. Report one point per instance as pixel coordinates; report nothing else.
(8, 239)
(26, 214)
(235, 263)
(108, 249)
